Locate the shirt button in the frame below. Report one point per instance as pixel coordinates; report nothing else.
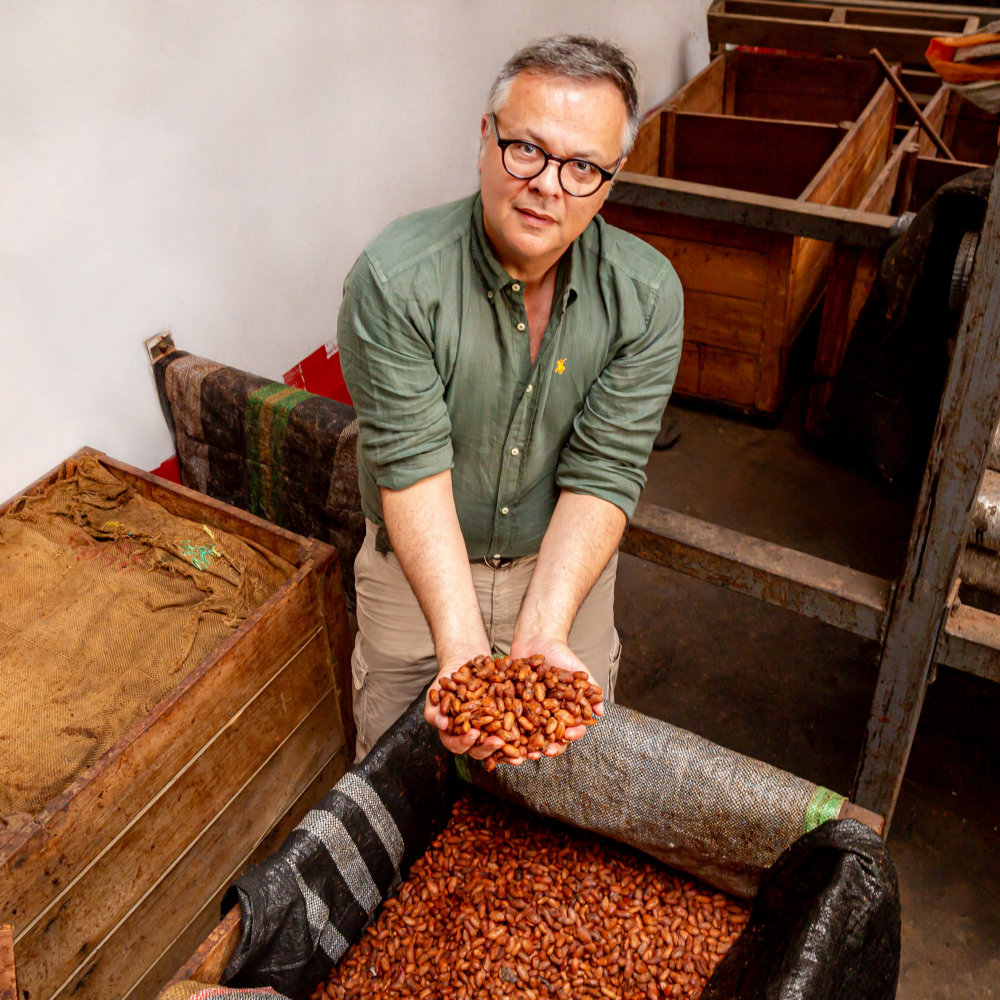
(530, 387)
(516, 287)
(520, 327)
(496, 555)
(515, 451)
(504, 510)
(489, 295)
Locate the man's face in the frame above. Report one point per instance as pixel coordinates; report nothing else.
(531, 222)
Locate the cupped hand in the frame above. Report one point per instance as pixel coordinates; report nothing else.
(457, 744)
(557, 654)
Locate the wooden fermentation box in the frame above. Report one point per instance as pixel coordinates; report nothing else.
(900, 30)
(800, 130)
(114, 882)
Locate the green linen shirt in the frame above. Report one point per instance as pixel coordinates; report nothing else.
(433, 341)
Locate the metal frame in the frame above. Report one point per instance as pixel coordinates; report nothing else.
(918, 619)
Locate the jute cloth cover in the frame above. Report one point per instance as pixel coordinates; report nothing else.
(107, 601)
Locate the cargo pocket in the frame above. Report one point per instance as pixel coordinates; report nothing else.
(615, 659)
(359, 699)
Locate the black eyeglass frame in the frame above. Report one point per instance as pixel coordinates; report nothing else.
(606, 175)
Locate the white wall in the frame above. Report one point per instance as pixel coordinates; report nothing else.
(215, 168)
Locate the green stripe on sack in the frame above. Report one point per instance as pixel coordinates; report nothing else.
(824, 805)
(462, 768)
(266, 424)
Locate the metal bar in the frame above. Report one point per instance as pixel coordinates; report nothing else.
(970, 409)
(843, 226)
(970, 641)
(807, 585)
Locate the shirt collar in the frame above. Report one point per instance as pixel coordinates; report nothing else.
(496, 279)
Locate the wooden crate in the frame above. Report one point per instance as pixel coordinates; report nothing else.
(803, 130)
(910, 177)
(118, 878)
(901, 31)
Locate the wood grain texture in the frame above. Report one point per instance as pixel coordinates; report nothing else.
(8, 973)
(75, 922)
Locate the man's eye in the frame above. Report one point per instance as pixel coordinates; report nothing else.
(525, 150)
(581, 169)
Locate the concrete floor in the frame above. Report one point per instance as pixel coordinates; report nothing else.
(797, 693)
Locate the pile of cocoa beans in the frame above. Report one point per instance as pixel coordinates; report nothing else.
(506, 905)
(525, 702)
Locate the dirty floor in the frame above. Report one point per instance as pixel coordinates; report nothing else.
(797, 693)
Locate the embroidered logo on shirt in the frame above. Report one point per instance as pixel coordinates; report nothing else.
(560, 366)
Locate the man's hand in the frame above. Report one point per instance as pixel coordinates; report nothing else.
(557, 654)
(465, 743)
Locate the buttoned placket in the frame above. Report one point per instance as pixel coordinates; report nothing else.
(508, 306)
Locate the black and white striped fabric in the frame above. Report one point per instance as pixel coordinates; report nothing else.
(315, 895)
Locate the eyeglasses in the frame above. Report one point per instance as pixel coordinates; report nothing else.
(524, 160)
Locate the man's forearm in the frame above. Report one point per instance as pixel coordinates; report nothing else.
(427, 539)
(581, 537)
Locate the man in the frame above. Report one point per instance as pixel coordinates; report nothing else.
(510, 356)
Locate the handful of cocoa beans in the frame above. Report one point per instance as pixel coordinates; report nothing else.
(525, 702)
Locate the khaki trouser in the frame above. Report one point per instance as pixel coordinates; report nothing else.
(394, 654)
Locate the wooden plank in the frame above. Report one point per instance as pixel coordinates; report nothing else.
(968, 416)
(645, 155)
(812, 587)
(332, 601)
(73, 924)
(686, 382)
(970, 641)
(805, 88)
(8, 973)
(210, 960)
(931, 173)
(82, 821)
(646, 222)
(849, 170)
(703, 92)
(668, 143)
(772, 355)
(706, 267)
(172, 961)
(210, 863)
(758, 211)
(905, 45)
(965, 10)
(723, 321)
(752, 154)
(727, 376)
(935, 23)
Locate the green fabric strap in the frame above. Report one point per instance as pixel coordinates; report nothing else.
(823, 806)
(266, 423)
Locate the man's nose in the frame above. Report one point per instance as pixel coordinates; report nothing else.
(547, 182)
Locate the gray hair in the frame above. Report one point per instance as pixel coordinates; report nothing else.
(578, 57)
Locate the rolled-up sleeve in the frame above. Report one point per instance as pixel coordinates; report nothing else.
(404, 430)
(613, 433)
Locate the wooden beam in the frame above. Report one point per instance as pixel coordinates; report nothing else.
(758, 211)
(967, 418)
(805, 584)
(955, 10)
(970, 641)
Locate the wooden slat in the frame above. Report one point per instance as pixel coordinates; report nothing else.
(757, 211)
(645, 155)
(98, 897)
(812, 587)
(906, 45)
(209, 863)
(965, 10)
(753, 154)
(708, 267)
(171, 964)
(777, 323)
(970, 641)
(727, 376)
(705, 91)
(723, 321)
